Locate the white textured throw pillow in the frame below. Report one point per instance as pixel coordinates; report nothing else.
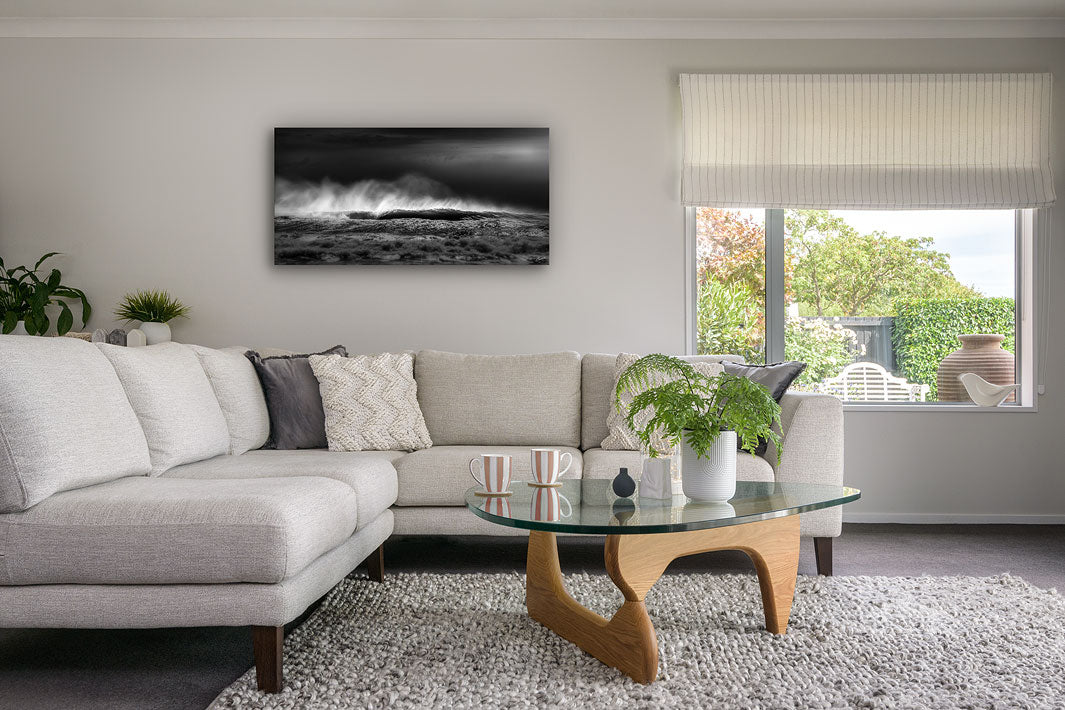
(621, 438)
(371, 402)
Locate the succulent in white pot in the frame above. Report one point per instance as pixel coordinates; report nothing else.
(705, 416)
(154, 310)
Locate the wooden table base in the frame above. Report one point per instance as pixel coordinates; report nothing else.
(627, 640)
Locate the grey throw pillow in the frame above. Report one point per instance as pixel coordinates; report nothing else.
(776, 378)
(297, 419)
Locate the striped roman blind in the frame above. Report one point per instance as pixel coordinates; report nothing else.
(867, 141)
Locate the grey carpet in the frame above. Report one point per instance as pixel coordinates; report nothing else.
(184, 669)
(464, 641)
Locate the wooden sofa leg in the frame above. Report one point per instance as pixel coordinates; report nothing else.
(823, 554)
(376, 564)
(266, 642)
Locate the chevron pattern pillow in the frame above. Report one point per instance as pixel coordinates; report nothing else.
(371, 402)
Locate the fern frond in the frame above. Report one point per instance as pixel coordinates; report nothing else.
(684, 404)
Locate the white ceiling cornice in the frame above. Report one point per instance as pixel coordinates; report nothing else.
(526, 28)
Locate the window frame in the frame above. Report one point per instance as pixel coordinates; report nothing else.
(1026, 240)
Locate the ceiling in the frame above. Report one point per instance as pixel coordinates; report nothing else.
(513, 9)
(534, 19)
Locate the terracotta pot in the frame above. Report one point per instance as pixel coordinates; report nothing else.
(982, 354)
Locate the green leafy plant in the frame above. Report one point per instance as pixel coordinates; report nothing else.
(826, 348)
(689, 405)
(729, 321)
(926, 330)
(26, 296)
(151, 307)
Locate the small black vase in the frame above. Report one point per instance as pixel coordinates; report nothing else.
(623, 485)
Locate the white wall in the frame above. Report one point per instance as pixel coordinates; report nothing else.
(148, 163)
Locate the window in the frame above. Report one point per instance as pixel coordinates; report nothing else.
(872, 300)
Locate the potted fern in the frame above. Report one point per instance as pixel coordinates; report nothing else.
(26, 300)
(154, 310)
(675, 405)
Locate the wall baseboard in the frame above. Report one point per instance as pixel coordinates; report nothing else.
(953, 518)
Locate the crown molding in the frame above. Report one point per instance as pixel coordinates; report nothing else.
(532, 28)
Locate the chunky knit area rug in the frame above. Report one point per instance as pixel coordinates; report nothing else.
(464, 641)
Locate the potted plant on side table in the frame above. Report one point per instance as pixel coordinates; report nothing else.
(25, 299)
(154, 310)
(704, 415)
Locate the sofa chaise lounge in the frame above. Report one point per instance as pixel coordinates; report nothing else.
(134, 492)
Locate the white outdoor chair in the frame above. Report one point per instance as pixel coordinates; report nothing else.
(869, 382)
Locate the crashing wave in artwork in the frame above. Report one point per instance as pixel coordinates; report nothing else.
(411, 196)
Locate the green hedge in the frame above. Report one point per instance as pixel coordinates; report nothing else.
(926, 330)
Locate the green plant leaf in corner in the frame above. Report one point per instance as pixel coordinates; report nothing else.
(65, 321)
(43, 259)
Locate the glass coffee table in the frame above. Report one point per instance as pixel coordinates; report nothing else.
(643, 537)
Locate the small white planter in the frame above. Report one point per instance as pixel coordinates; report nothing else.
(155, 333)
(712, 478)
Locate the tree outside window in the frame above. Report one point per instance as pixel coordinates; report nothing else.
(843, 286)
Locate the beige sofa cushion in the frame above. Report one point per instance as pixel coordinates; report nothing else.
(174, 531)
(239, 393)
(174, 402)
(597, 392)
(441, 475)
(501, 400)
(600, 463)
(370, 474)
(65, 421)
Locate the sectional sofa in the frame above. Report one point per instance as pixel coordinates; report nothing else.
(134, 493)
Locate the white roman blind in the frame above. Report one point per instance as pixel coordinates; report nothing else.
(867, 141)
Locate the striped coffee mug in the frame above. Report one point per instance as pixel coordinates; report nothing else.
(549, 505)
(494, 472)
(547, 465)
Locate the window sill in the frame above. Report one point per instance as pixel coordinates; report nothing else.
(938, 408)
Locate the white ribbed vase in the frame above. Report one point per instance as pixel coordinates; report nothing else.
(712, 478)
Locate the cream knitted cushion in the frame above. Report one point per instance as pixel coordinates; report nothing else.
(620, 437)
(371, 402)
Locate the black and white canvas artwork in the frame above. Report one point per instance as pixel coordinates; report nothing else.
(411, 196)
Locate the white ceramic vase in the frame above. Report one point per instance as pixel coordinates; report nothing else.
(712, 478)
(155, 333)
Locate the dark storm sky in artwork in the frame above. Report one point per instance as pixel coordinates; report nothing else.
(504, 166)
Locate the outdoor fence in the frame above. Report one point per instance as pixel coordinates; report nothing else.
(873, 337)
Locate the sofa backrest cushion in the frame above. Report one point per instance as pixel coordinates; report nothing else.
(235, 384)
(174, 402)
(65, 421)
(512, 400)
(597, 392)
